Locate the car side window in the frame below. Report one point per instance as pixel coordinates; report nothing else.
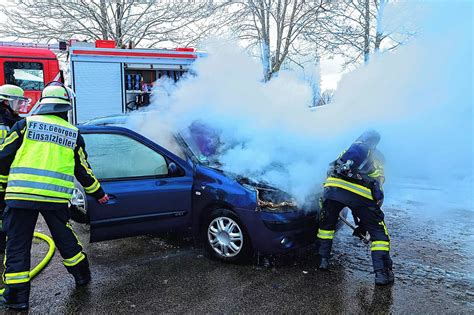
(114, 156)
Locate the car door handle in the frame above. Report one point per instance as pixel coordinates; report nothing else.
(161, 182)
(112, 200)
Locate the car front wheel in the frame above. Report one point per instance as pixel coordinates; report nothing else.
(78, 205)
(226, 238)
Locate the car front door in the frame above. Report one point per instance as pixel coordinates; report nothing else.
(144, 197)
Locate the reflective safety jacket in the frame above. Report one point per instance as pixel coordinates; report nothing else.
(39, 160)
(369, 165)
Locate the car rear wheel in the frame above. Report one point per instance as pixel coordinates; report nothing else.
(78, 205)
(226, 238)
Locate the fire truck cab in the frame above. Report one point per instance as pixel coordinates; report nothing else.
(28, 68)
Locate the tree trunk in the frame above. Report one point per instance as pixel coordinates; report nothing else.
(103, 16)
(367, 31)
(379, 30)
(266, 54)
(118, 25)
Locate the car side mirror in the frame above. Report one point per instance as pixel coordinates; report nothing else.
(172, 169)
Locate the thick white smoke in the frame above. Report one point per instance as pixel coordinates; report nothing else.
(419, 98)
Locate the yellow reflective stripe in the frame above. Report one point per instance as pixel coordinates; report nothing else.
(62, 184)
(326, 234)
(355, 188)
(12, 137)
(34, 184)
(92, 188)
(95, 185)
(26, 197)
(327, 231)
(3, 135)
(69, 226)
(380, 245)
(2, 189)
(382, 223)
(380, 242)
(3, 178)
(339, 180)
(376, 173)
(17, 277)
(82, 158)
(44, 192)
(41, 172)
(342, 153)
(70, 262)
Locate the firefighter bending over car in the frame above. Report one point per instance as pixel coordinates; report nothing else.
(12, 99)
(38, 162)
(355, 181)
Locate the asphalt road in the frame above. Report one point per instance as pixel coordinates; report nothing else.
(432, 256)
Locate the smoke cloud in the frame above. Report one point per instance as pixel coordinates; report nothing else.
(418, 97)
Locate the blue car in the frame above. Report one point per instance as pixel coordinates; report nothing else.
(153, 190)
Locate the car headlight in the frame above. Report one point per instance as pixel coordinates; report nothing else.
(268, 197)
(275, 200)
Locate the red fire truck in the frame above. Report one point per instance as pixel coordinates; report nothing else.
(106, 80)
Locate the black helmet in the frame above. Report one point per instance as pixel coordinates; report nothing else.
(369, 137)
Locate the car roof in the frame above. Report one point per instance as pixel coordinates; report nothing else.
(99, 128)
(120, 119)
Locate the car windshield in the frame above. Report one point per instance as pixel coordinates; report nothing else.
(202, 142)
(198, 141)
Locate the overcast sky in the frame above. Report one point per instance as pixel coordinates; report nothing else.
(330, 72)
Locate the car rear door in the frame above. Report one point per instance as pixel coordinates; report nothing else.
(144, 197)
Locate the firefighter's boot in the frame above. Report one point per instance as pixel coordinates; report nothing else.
(324, 264)
(324, 252)
(81, 272)
(16, 296)
(384, 276)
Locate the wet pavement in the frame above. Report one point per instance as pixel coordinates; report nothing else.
(432, 256)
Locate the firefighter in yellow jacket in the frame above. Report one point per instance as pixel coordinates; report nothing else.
(12, 99)
(39, 160)
(355, 181)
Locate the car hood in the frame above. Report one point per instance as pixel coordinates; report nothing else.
(269, 197)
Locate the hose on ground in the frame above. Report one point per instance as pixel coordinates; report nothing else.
(46, 258)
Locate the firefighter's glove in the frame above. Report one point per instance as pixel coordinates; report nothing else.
(360, 232)
(377, 193)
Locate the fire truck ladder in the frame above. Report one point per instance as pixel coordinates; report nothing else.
(61, 46)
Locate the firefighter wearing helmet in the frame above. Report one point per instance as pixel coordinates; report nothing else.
(40, 158)
(11, 100)
(355, 181)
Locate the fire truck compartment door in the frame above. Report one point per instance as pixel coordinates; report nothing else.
(98, 87)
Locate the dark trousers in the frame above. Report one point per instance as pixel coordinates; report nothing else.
(371, 219)
(19, 225)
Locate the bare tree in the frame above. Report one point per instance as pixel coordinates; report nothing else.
(144, 23)
(355, 31)
(274, 28)
(326, 97)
